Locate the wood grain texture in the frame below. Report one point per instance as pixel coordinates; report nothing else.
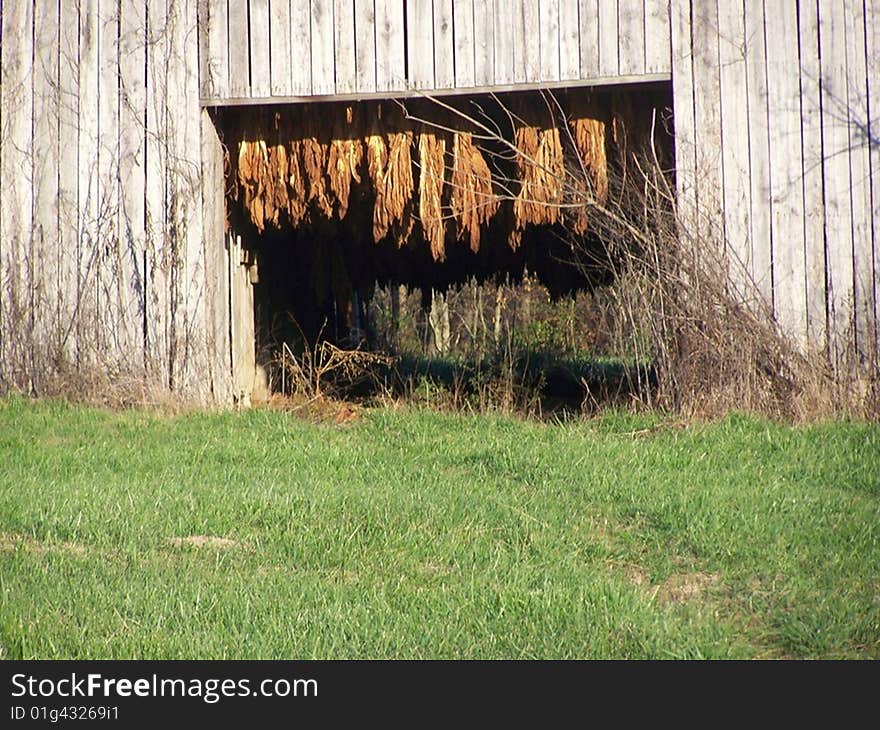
(279, 48)
(300, 48)
(68, 177)
(444, 46)
(158, 253)
(45, 290)
(836, 176)
(365, 45)
(685, 124)
(214, 31)
(259, 48)
(110, 330)
(216, 262)
(503, 42)
(631, 33)
(549, 39)
(658, 49)
(194, 353)
(761, 236)
(530, 53)
(484, 46)
(323, 71)
(707, 120)
(464, 41)
(858, 118)
(88, 183)
(420, 42)
(239, 48)
(132, 171)
(588, 18)
(569, 40)
(16, 190)
(345, 52)
(609, 38)
(735, 145)
(872, 54)
(814, 209)
(390, 60)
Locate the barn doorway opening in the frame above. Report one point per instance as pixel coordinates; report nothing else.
(362, 223)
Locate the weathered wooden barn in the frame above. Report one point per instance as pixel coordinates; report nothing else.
(114, 248)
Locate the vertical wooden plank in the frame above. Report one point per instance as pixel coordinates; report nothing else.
(761, 235)
(132, 173)
(279, 47)
(657, 45)
(735, 145)
(259, 48)
(858, 117)
(177, 220)
(444, 50)
(420, 42)
(365, 44)
(463, 24)
(569, 40)
(239, 49)
(111, 288)
(685, 126)
(195, 336)
(707, 120)
(323, 66)
(88, 183)
(631, 31)
(45, 290)
(786, 170)
(872, 54)
(588, 15)
(549, 39)
(836, 178)
(532, 40)
(814, 209)
(68, 202)
(608, 38)
(204, 50)
(518, 24)
(16, 191)
(216, 262)
(390, 60)
(158, 254)
(218, 60)
(300, 48)
(344, 45)
(484, 36)
(503, 43)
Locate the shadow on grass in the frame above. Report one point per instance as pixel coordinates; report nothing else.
(535, 382)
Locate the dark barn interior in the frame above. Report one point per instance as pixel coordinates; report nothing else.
(337, 199)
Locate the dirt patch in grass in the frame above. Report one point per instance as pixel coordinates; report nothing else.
(684, 587)
(677, 588)
(10, 542)
(636, 575)
(211, 542)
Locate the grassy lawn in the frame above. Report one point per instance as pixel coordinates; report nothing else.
(412, 534)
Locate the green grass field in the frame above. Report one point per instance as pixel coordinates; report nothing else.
(412, 534)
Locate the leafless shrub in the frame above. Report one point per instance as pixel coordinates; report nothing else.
(323, 369)
(682, 303)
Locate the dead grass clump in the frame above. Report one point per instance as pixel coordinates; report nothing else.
(686, 587)
(210, 542)
(10, 542)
